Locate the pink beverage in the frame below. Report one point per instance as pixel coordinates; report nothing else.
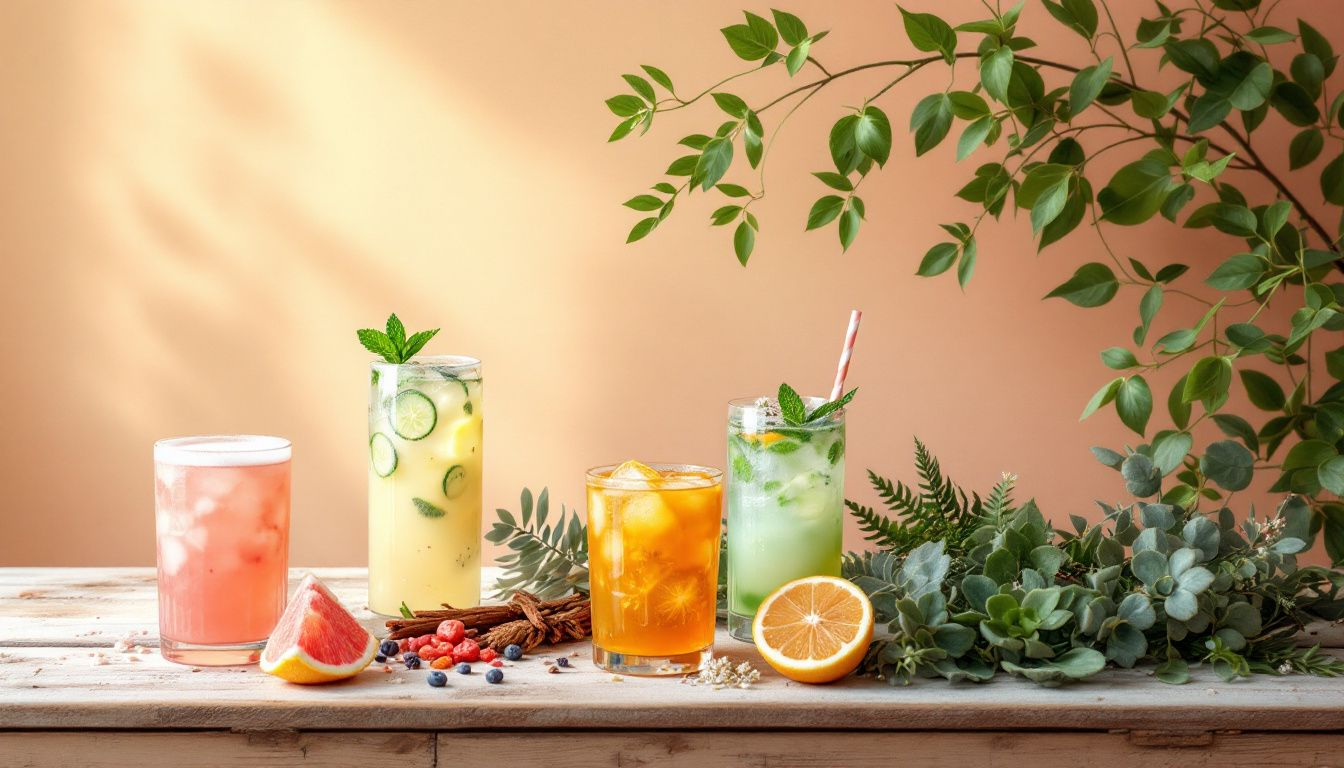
(222, 513)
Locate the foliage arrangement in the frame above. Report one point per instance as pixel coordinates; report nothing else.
(1184, 136)
(966, 589)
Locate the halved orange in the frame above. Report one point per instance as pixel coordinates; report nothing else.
(815, 629)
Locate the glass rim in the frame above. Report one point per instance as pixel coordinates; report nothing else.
(436, 361)
(599, 477)
(223, 450)
(743, 406)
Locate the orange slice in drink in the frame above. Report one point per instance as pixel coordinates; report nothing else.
(814, 630)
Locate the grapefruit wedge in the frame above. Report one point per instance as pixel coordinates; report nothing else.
(317, 640)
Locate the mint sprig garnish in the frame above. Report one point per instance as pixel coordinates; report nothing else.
(393, 345)
(794, 412)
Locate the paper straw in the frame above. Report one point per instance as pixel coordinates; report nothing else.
(843, 368)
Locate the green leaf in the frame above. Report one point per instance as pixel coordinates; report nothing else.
(1103, 396)
(377, 342)
(791, 407)
(1136, 191)
(734, 190)
(831, 406)
(1170, 449)
(1209, 380)
(744, 241)
(1092, 285)
(714, 163)
(625, 105)
(1177, 407)
(1332, 181)
(644, 203)
(427, 509)
(824, 211)
(849, 228)
(658, 76)
(752, 41)
(1142, 478)
(1197, 56)
(1268, 35)
(1263, 391)
(1243, 270)
(930, 121)
(996, 69)
(791, 28)
(966, 264)
(1228, 464)
(1253, 89)
(1209, 110)
(1078, 15)
(797, 57)
(929, 33)
(1233, 219)
(938, 260)
(1134, 403)
(1119, 358)
(1304, 148)
(1318, 45)
(1087, 85)
(416, 342)
(1308, 454)
(835, 181)
(1308, 72)
(1235, 426)
(641, 87)
(872, 133)
(733, 105)
(973, 136)
(1148, 308)
(1331, 475)
(641, 229)
(725, 214)
(683, 166)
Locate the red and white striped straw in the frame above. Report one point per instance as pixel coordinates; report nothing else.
(843, 368)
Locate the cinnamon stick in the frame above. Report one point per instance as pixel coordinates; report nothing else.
(525, 620)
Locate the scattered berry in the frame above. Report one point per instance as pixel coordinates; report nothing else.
(452, 631)
(437, 679)
(411, 659)
(432, 652)
(403, 646)
(389, 648)
(496, 663)
(494, 676)
(463, 669)
(467, 650)
(513, 652)
(443, 662)
(488, 654)
(563, 661)
(380, 658)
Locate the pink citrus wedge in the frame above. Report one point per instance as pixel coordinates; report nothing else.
(317, 640)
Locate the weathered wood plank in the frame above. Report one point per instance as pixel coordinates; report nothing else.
(883, 750)
(216, 750)
(52, 676)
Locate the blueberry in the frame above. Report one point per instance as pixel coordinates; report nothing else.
(563, 661)
(463, 669)
(380, 658)
(437, 679)
(389, 648)
(412, 660)
(494, 676)
(513, 653)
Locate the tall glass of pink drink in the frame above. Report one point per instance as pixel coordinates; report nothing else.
(222, 514)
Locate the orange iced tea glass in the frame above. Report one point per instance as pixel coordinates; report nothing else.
(653, 560)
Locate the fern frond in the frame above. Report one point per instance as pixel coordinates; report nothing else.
(877, 527)
(897, 497)
(999, 505)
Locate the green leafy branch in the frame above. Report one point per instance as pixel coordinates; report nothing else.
(547, 560)
(1229, 69)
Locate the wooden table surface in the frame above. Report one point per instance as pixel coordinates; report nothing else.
(60, 677)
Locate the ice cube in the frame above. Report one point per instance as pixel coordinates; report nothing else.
(646, 519)
(172, 555)
(197, 537)
(634, 472)
(206, 506)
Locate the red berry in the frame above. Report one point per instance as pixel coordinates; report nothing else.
(452, 631)
(496, 663)
(488, 654)
(430, 652)
(404, 645)
(467, 650)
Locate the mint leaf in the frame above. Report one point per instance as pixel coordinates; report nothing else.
(426, 509)
(392, 345)
(826, 409)
(791, 405)
(416, 343)
(377, 342)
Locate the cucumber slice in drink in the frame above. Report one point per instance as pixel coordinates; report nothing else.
(455, 481)
(382, 454)
(413, 415)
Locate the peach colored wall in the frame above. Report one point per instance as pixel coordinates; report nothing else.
(203, 200)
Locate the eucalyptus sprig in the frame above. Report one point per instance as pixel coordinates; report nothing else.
(392, 344)
(1179, 136)
(794, 411)
(547, 560)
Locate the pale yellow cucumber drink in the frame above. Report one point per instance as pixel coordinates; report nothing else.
(424, 464)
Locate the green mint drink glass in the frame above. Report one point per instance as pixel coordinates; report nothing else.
(786, 499)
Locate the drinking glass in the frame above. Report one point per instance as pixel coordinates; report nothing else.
(221, 508)
(653, 558)
(425, 457)
(786, 501)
